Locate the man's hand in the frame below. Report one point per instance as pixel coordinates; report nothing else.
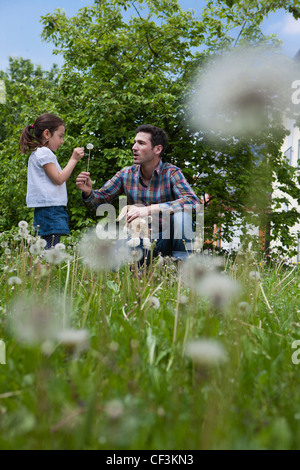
(84, 183)
(135, 212)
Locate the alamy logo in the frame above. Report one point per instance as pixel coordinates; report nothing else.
(2, 352)
(296, 94)
(295, 355)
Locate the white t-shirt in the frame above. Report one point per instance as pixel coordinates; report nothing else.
(41, 191)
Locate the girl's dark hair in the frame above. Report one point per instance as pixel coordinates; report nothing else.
(32, 135)
(158, 135)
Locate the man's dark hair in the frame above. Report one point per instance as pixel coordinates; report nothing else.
(158, 136)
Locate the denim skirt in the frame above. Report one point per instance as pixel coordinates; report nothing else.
(51, 220)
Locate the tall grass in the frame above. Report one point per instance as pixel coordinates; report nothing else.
(134, 385)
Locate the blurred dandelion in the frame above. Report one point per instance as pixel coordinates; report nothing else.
(238, 90)
(244, 308)
(206, 352)
(135, 255)
(134, 242)
(14, 280)
(60, 246)
(154, 302)
(102, 254)
(35, 319)
(202, 275)
(54, 256)
(147, 243)
(114, 409)
(75, 341)
(254, 276)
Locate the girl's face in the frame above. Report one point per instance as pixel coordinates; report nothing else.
(56, 139)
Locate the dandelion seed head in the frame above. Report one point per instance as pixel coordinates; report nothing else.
(41, 243)
(35, 249)
(237, 90)
(254, 276)
(135, 255)
(154, 302)
(74, 340)
(244, 308)
(23, 224)
(203, 276)
(147, 243)
(35, 319)
(134, 242)
(54, 256)
(114, 409)
(14, 280)
(101, 254)
(60, 246)
(23, 232)
(90, 146)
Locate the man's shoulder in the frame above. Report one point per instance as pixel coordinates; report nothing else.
(133, 169)
(166, 166)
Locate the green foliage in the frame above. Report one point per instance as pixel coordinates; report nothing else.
(133, 387)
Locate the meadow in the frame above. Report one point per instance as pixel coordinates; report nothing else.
(200, 354)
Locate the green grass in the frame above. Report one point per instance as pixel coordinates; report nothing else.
(134, 387)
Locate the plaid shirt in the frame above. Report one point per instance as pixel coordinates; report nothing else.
(167, 185)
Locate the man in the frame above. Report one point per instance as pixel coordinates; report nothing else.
(152, 188)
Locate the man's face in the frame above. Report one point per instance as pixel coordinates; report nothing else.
(143, 152)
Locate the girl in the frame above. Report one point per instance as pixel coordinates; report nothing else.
(46, 181)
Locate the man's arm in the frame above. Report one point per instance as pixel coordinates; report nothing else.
(183, 193)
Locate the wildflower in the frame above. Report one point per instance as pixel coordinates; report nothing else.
(206, 352)
(60, 246)
(23, 232)
(147, 243)
(135, 255)
(23, 224)
(154, 302)
(74, 340)
(35, 249)
(114, 409)
(236, 89)
(35, 319)
(41, 243)
(254, 276)
(90, 146)
(14, 280)
(244, 307)
(134, 242)
(201, 274)
(101, 254)
(55, 256)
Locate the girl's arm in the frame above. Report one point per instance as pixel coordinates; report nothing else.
(60, 177)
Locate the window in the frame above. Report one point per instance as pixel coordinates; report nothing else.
(289, 154)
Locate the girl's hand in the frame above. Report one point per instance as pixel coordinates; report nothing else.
(78, 153)
(84, 183)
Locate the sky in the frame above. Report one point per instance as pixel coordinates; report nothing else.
(20, 28)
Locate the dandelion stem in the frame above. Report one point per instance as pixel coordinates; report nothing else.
(268, 305)
(88, 164)
(176, 310)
